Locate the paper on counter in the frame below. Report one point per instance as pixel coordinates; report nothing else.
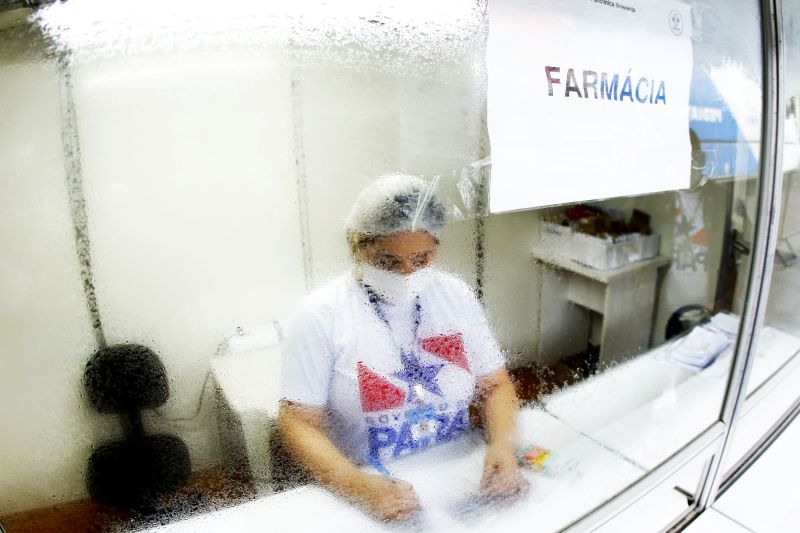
(724, 323)
(698, 349)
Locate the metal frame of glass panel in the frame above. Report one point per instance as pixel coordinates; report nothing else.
(765, 237)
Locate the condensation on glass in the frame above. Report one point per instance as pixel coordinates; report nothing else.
(177, 179)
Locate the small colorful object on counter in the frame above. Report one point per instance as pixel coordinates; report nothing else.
(533, 457)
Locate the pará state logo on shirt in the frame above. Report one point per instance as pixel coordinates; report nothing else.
(398, 421)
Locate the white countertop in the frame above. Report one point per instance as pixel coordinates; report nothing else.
(647, 409)
(580, 476)
(605, 433)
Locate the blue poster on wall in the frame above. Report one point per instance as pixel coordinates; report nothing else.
(726, 123)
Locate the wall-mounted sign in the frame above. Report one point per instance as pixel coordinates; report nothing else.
(587, 99)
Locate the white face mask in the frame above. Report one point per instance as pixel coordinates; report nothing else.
(390, 287)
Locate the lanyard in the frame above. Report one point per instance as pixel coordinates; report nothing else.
(421, 414)
(374, 301)
(408, 359)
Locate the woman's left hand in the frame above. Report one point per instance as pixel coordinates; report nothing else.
(501, 476)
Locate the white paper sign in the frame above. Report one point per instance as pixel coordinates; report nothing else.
(587, 99)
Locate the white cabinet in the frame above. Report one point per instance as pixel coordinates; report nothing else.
(624, 298)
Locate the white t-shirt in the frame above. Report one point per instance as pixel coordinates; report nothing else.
(389, 392)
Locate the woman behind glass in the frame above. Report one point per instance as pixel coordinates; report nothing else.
(384, 361)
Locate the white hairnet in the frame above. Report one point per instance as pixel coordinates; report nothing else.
(396, 202)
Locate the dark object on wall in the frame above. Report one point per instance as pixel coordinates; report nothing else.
(125, 378)
(685, 318)
(138, 473)
(140, 470)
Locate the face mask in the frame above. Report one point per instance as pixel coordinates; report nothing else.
(390, 287)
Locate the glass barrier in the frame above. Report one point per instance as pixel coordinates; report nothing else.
(250, 269)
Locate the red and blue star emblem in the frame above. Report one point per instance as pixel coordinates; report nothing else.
(378, 394)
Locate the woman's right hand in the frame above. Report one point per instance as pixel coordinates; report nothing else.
(387, 499)
(301, 430)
